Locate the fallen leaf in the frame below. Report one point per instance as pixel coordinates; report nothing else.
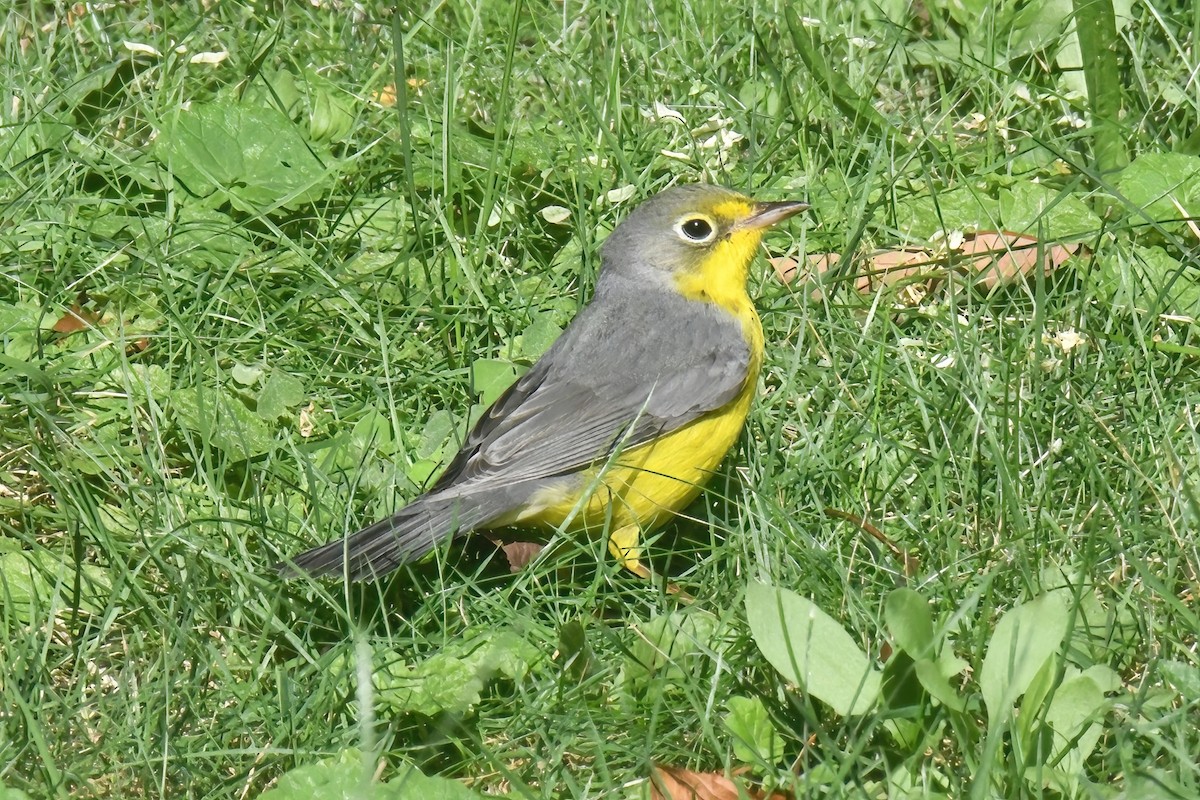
(308, 420)
(209, 57)
(889, 267)
(676, 783)
(75, 320)
(386, 96)
(994, 258)
(520, 553)
(620, 194)
(788, 269)
(1002, 257)
(555, 215)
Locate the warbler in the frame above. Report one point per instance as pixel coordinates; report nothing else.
(622, 421)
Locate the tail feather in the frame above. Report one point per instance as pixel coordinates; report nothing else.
(380, 548)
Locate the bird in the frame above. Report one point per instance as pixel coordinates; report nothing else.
(619, 424)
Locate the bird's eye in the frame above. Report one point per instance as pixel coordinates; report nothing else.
(697, 229)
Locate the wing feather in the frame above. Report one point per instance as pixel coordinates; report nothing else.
(605, 383)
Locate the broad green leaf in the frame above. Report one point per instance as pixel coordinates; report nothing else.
(1151, 279)
(538, 337)
(221, 421)
(1166, 284)
(673, 647)
(962, 208)
(938, 685)
(754, 736)
(809, 648)
(19, 329)
(1038, 210)
(490, 377)
(453, 679)
(252, 157)
(438, 430)
(35, 582)
(1024, 640)
(1162, 186)
(1184, 678)
(901, 689)
(1038, 26)
(19, 142)
(382, 222)
(246, 374)
(910, 623)
(1074, 719)
(1079, 700)
(574, 652)
(348, 776)
(279, 394)
(330, 119)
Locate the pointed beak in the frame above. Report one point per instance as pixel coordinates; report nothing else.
(767, 214)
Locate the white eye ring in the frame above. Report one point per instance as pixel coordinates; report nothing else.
(696, 229)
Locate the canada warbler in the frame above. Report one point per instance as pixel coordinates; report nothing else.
(618, 426)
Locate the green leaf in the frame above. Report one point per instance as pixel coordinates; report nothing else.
(1038, 26)
(19, 330)
(1161, 186)
(574, 652)
(963, 208)
(1024, 640)
(245, 374)
(1151, 279)
(538, 337)
(330, 120)
(279, 394)
(1079, 700)
(438, 431)
(1074, 721)
(254, 158)
(348, 776)
(929, 673)
(910, 623)
(1185, 678)
(673, 648)
(35, 582)
(1038, 210)
(221, 421)
(809, 648)
(452, 680)
(381, 222)
(755, 739)
(490, 377)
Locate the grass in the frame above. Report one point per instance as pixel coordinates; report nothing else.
(274, 352)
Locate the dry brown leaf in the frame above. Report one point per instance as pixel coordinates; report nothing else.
(520, 553)
(788, 269)
(676, 783)
(386, 96)
(994, 257)
(889, 267)
(1003, 256)
(785, 268)
(75, 320)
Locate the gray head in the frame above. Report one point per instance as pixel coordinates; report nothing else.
(675, 232)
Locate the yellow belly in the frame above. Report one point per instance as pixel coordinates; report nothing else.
(650, 483)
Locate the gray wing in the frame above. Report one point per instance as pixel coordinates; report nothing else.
(606, 383)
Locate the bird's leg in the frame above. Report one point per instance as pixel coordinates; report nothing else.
(625, 543)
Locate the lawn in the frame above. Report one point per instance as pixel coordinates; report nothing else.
(263, 264)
